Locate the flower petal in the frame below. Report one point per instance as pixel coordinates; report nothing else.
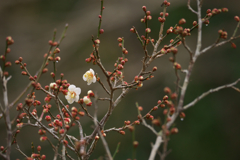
(70, 101)
(68, 96)
(91, 70)
(71, 87)
(85, 77)
(94, 79)
(76, 98)
(77, 90)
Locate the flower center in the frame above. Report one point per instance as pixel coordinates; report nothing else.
(73, 94)
(89, 75)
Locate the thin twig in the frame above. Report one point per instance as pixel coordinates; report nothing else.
(208, 92)
(18, 149)
(105, 144)
(190, 8)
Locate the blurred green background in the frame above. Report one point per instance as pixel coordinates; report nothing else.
(211, 128)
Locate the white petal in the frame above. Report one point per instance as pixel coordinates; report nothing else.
(68, 96)
(89, 81)
(84, 78)
(94, 79)
(77, 90)
(71, 100)
(91, 70)
(76, 98)
(71, 87)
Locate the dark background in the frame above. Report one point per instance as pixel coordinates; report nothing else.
(211, 128)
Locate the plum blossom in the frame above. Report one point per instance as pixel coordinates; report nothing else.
(87, 100)
(73, 94)
(89, 76)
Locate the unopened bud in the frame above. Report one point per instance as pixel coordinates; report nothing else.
(236, 18)
(148, 30)
(182, 21)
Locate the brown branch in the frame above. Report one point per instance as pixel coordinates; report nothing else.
(188, 49)
(105, 144)
(208, 92)
(18, 149)
(217, 44)
(104, 87)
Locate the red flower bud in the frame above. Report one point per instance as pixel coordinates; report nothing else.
(144, 8)
(148, 30)
(101, 31)
(236, 18)
(233, 45)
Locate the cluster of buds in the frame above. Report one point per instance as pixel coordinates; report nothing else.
(19, 107)
(223, 34)
(19, 125)
(46, 108)
(120, 63)
(161, 19)
(37, 156)
(124, 50)
(166, 3)
(41, 132)
(139, 80)
(149, 116)
(36, 85)
(51, 43)
(57, 123)
(215, 11)
(147, 15)
(9, 40)
(170, 30)
(74, 113)
(43, 138)
(53, 56)
(91, 59)
(177, 65)
(127, 122)
(29, 101)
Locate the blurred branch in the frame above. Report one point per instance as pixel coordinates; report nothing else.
(155, 148)
(199, 37)
(6, 113)
(18, 149)
(190, 8)
(208, 92)
(217, 44)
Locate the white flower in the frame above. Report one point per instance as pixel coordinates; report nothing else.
(89, 77)
(86, 99)
(73, 94)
